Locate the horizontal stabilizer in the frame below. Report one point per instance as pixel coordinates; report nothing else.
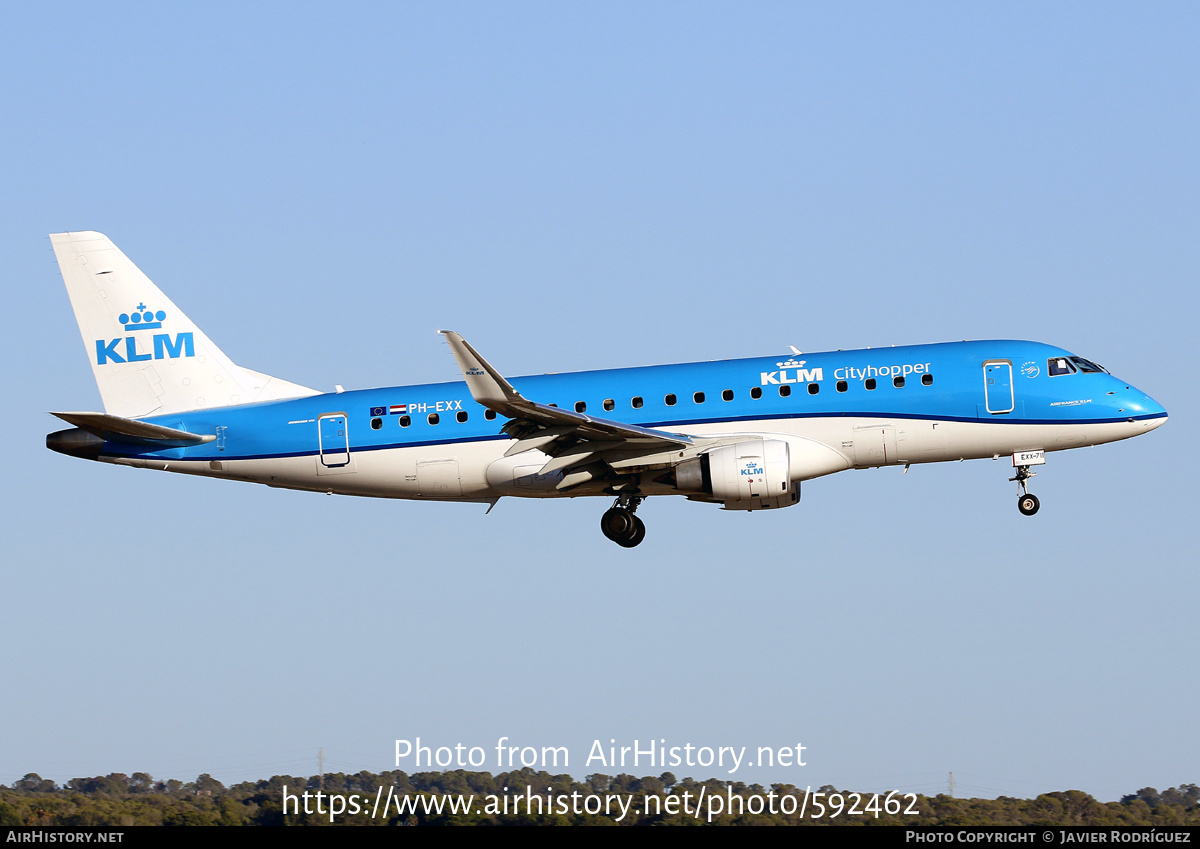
(117, 429)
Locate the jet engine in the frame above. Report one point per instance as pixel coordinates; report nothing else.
(750, 475)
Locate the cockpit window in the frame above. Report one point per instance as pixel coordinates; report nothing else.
(1087, 366)
(1059, 365)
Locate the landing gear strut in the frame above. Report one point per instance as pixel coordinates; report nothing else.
(1027, 503)
(620, 524)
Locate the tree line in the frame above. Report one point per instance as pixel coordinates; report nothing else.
(118, 799)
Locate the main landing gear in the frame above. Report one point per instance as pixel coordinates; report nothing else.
(1027, 503)
(620, 524)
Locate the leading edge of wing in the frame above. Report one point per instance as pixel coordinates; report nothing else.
(489, 388)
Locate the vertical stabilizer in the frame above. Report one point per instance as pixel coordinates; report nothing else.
(148, 357)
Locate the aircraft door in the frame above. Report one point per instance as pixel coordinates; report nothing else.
(439, 478)
(333, 440)
(998, 386)
(875, 445)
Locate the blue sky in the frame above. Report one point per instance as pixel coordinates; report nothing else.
(581, 186)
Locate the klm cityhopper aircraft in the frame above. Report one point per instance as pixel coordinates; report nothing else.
(743, 434)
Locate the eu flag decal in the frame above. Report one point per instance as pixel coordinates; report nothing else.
(378, 411)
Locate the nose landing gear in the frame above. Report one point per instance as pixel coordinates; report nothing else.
(1027, 503)
(620, 524)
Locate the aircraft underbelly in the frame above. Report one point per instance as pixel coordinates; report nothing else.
(478, 471)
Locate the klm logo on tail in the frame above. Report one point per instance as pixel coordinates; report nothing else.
(164, 346)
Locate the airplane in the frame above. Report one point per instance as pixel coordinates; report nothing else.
(743, 434)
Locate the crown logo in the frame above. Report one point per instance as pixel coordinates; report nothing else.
(142, 319)
(792, 363)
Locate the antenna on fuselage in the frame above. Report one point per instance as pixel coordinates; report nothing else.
(795, 350)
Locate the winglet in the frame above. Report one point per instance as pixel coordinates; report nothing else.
(491, 390)
(487, 385)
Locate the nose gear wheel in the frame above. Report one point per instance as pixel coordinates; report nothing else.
(1027, 503)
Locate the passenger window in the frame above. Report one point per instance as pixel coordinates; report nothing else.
(698, 397)
(927, 380)
(669, 400)
(434, 418)
(490, 415)
(727, 395)
(756, 392)
(376, 424)
(785, 391)
(898, 382)
(842, 386)
(636, 403)
(609, 404)
(405, 421)
(581, 406)
(870, 383)
(814, 388)
(461, 415)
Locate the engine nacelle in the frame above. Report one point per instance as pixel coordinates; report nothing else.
(750, 475)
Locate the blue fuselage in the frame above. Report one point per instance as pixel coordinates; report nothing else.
(947, 382)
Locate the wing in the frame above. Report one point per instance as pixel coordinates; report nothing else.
(583, 447)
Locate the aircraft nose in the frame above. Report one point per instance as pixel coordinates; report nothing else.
(1148, 406)
(1142, 408)
(1155, 409)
